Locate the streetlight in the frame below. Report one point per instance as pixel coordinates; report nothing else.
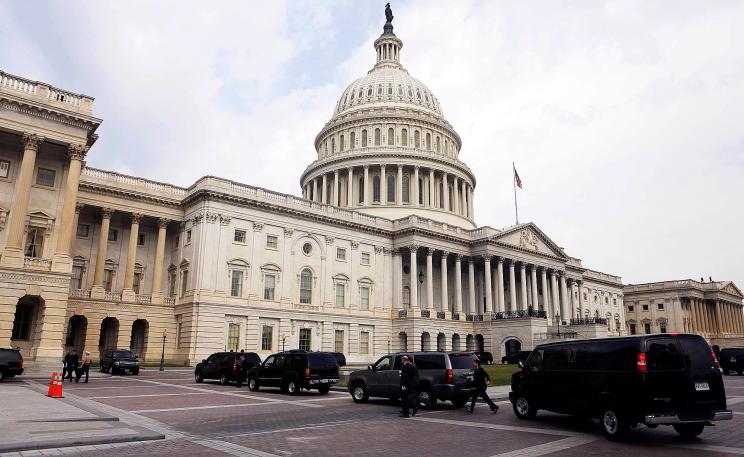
(284, 338)
(558, 319)
(162, 354)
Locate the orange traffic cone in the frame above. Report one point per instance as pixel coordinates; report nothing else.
(51, 385)
(55, 386)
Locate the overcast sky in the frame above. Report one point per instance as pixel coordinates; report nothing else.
(625, 119)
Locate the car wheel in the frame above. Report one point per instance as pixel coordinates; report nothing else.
(689, 431)
(359, 393)
(614, 424)
(199, 377)
(292, 387)
(110, 370)
(224, 380)
(425, 398)
(135, 372)
(524, 409)
(2, 375)
(324, 389)
(253, 384)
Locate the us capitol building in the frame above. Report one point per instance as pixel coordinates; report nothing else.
(381, 253)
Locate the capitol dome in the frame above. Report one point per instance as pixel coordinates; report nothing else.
(388, 149)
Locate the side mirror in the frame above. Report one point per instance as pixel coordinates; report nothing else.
(520, 364)
(371, 367)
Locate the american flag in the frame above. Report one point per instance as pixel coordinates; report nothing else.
(516, 177)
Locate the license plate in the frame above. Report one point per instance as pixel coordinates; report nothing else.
(702, 387)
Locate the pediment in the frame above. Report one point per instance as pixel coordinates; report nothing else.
(530, 238)
(731, 288)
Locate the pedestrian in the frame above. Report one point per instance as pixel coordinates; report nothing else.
(481, 380)
(85, 367)
(409, 379)
(66, 364)
(74, 366)
(241, 369)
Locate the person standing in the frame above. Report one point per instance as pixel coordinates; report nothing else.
(74, 367)
(409, 379)
(66, 366)
(85, 367)
(481, 380)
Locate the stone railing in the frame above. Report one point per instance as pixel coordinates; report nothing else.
(112, 296)
(169, 300)
(441, 314)
(144, 299)
(95, 174)
(79, 293)
(425, 313)
(589, 321)
(474, 317)
(35, 263)
(543, 336)
(455, 316)
(518, 315)
(402, 313)
(45, 93)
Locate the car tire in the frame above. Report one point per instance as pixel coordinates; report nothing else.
(523, 408)
(292, 387)
(253, 384)
(359, 393)
(324, 389)
(198, 377)
(2, 375)
(135, 372)
(224, 380)
(459, 402)
(689, 431)
(614, 424)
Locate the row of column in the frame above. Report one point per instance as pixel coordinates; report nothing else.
(716, 316)
(462, 192)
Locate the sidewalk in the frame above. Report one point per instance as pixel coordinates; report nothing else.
(29, 420)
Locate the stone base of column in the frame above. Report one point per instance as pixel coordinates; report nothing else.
(157, 299)
(97, 292)
(62, 263)
(127, 295)
(12, 257)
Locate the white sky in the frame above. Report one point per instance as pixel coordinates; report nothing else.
(625, 119)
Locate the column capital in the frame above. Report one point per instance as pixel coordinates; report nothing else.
(258, 226)
(471, 260)
(77, 151)
(413, 248)
(366, 167)
(416, 167)
(335, 172)
(487, 257)
(163, 222)
(500, 260)
(79, 207)
(445, 254)
(31, 141)
(458, 257)
(523, 265)
(135, 218)
(400, 167)
(106, 213)
(429, 252)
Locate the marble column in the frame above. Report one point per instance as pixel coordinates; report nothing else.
(131, 252)
(414, 199)
(414, 277)
(565, 313)
(76, 154)
(488, 289)
(335, 189)
(324, 192)
(350, 187)
(581, 299)
(500, 284)
(365, 187)
(694, 315)
(463, 199)
(383, 186)
(458, 283)
(719, 321)
(512, 288)
(554, 293)
(523, 284)
(106, 214)
(445, 192)
(429, 278)
(533, 281)
(455, 195)
(471, 287)
(399, 187)
(157, 274)
(397, 260)
(432, 202)
(445, 294)
(546, 301)
(315, 190)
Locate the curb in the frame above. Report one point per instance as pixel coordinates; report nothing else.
(142, 435)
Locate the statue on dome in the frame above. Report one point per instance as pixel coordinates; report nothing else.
(388, 13)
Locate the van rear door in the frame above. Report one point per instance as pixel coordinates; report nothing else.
(666, 379)
(703, 385)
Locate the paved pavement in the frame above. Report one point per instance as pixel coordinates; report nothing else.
(210, 419)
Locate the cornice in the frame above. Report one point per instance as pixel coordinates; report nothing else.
(128, 194)
(71, 118)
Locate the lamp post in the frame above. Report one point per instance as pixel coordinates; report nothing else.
(283, 338)
(418, 289)
(558, 320)
(162, 354)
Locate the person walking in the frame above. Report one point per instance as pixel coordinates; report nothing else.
(409, 379)
(74, 366)
(481, 380)
(85, 367)
(66, 364)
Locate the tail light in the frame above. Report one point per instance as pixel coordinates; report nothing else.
(20, 363)
(338, 370)
(715, 360)
(307, 372)
(641, 363)
(235, 367)
(450, 377)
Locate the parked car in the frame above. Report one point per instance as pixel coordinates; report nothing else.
(658, 379)
(442, 376)
(226, 366)
(295, 370)
(732, 359)
(485, 357)
(11, 363)
(519, 356)
(119, 361)
(340, 358)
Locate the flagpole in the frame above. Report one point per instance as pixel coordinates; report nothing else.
(514, 184)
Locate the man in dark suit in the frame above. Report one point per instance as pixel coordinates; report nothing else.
(409, 379)
(481, 380)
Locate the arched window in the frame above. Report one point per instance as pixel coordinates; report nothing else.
(406, 296)
(364, 138)
(404, 137)
(400, 90)
(446, 150)
(428, 141)
(333, 145)
(416, 139)
(361, 92)
(418, 94)
(421, 192)
(436, 144)
(406, 196)
(352, 95)
(379, 89)
(376, 189)
(390, 90)
(361, 190)
(377, 137)
(410, 94)
(391, 137)
(352, 140)
(390, 188)
(306, 286)
(369, 91)
(342, 145)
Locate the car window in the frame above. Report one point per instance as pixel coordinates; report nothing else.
(461, 361)
(429, 361)
(559, 358)
(696, 353)
(269, 360)
(123, 354)
(280, 361)
(229, 358)
(535, 361)
(322, 360)
(398, 364)
(383, 363)
(662, 354)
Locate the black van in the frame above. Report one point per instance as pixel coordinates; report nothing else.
(732, 359)
(11, 363)
(226, 366)
(661, 379)
(295, 370)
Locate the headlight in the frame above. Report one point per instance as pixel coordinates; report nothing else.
(117, 363)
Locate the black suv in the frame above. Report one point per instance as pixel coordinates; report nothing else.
(11, 363)
(295, 370)
(226, 366)
(485, 357)
(442, 376)
(119, 361)
(732, 359)
(519, 356)
(661, 379)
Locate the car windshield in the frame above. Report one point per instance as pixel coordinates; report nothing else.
(462, 361)
(321, 360)
(123, 354)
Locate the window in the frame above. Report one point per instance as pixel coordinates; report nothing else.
(407, 298)
(352, 140)
(631, 308)
(340, 295)
(113, 235)
(377, 137)
(306, 286)
(272, 242)
(376, 189)
(662, 355)
(108, 279)
(341, 254)
(188, 236)
(364, 298)
(236, 283)
(391, 137)
(632, 329)
(365, 258)
(404, 137)
(184, 282)
(342, 144)
(4, 169)
(140, 239)
(305, 339)
(364, 343)
(338, 343)
(647, 327)
(76, 281)
(233, 337)
(584, 296)
(645, 307)
(45, 177)
(24, 315)
(383, 363)
(267, 337)
(662, 327)
(307, 248)
(421, 192)
(239, 236)
(437, 144)
(364, 138)
(428, 141)
(179, 333)
(333, 145)
(83, 231)
(136, 282)
(390, 188)
(35, 242)
(416, 139)
(660, 306)
(172, 284)
(406, 193)
(269, 286)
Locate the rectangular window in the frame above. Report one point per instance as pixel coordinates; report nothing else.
(365, 258)
(184, 281)
(662, 328)
(305, 339)
(338, 345)
(35, 242)
(340, 254)
(236, 283)
(647, 328)
(272, 242)
(364, 298)
(172, 284)
(239, 236)
(645, 307)
(83, 230)
(45, 177)
(4, 168)
(631, 308)
(632, 329)
(140, 239)
(340, 295)
(136, 282)
(233, 337)
(269, 285)
(364, 342)
(108, 279)
(76, 281)
(188, 236)
(267, 337)
(179, 333)
(660, 306)
(113, 235)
